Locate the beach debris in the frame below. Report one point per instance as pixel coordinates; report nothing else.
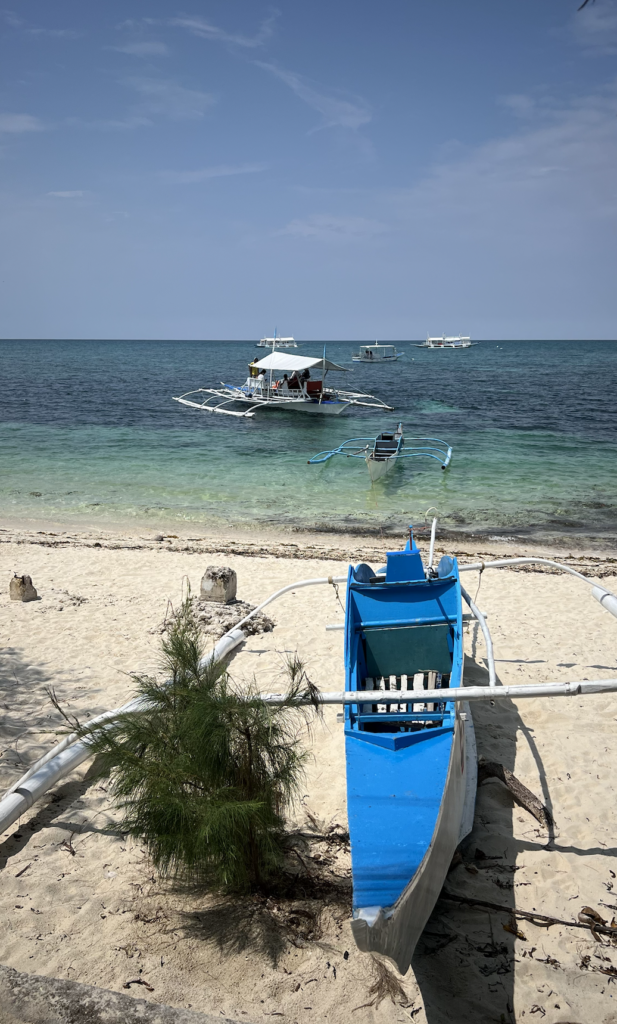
(138, 981)
(219, 583)
(21, 589)
(590, 917)
(385, 985)
(587, 918)
(512, 927)
(218, 619)
(521, 795)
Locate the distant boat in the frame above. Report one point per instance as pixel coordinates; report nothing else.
(376, 353)
(455, 341)
(276, 342)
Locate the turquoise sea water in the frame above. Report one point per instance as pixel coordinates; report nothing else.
(88, 432)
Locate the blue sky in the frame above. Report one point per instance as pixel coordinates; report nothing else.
(336, 170)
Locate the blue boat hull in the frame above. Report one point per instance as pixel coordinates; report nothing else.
(411, 767)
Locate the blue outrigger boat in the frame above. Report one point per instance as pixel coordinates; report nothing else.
(411, 766)
(382, 453)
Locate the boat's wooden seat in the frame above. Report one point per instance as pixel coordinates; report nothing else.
(406, 650)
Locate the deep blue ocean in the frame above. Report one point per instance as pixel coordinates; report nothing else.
(89, 433)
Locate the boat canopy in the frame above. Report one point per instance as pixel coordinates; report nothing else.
(284, 361)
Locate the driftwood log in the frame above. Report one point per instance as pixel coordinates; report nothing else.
(523, 796)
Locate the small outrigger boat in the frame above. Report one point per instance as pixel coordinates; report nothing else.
(377, 353)
(382, 453)
(281, 381)
(411, 766)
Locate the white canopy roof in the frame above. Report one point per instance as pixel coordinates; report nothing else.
(286, 362)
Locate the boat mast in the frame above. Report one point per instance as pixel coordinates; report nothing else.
(273, 348)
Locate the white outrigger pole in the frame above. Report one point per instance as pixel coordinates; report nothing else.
(67, 755)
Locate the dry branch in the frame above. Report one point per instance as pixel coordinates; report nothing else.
(523, 796)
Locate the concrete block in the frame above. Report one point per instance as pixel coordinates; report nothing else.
(21, 589)
(219, 583)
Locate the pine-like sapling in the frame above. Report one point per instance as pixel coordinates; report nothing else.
(204, 772)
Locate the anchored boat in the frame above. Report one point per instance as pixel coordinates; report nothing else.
(455, 341)
(276, 342)
(382, 453)
(281, 381)
(376, 353)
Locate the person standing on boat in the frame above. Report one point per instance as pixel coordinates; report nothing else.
(261, 380)
(285, 385)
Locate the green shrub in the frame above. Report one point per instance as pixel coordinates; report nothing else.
(204, 772)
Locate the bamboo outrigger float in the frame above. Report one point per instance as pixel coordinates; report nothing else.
(409, 736)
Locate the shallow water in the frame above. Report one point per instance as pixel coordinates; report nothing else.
(88, 431)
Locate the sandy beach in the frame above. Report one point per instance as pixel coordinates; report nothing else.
(80, 901)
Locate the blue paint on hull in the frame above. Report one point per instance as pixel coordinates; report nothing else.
(393, 800)
(405, 763)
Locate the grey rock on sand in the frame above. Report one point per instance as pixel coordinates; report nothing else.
(21, 589)
(33, 999)
(219, 583)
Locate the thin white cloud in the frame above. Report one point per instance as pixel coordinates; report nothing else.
(595, 27)
(544, 189)
(75, 194)
(168, 99)
(206, 173)
(518, 104)
(336, 109)
(19, 123)
(143, 49)
(200, 27)
(326, 228)
(12, 19)
(127, 123)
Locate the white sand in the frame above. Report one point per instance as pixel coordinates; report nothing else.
(100, 916)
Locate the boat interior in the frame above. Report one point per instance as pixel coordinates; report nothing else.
(386, 444)
(415, 657)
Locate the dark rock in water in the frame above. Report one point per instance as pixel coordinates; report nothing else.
(21, 589)
(219, 583)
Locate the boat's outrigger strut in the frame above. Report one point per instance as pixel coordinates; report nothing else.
(360, 447)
